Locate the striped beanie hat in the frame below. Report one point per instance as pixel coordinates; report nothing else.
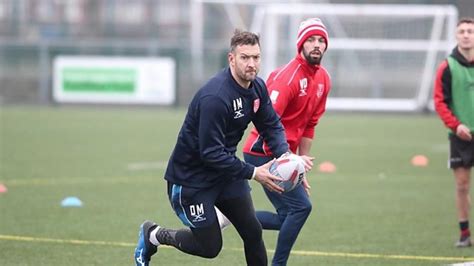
(308, 28)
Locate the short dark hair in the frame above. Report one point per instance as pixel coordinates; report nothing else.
(243, 38)
(468, 20)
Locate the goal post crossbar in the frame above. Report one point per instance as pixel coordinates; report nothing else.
(361, 9)
(267, 15)
(430, 46)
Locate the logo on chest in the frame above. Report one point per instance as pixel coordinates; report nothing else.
(256, 105)
(303, 87)
(238, 108)
(320, 91)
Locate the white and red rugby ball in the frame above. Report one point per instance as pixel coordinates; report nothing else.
(291, 169)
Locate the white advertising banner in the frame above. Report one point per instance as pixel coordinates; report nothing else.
(123, 80)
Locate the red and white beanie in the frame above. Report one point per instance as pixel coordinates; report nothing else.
(308, 28)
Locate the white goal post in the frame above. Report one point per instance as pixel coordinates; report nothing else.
(381, 57)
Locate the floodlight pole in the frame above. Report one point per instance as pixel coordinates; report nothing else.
(197, 48)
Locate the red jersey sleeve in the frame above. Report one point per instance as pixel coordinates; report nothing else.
(319, 111)
(442, 96)
(280, 94)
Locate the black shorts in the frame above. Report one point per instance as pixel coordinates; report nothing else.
(195, 206)
(461, 152)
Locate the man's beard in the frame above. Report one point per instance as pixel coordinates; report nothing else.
(311, 60)
(247, 76)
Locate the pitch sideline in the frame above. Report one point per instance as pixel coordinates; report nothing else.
(295, 252)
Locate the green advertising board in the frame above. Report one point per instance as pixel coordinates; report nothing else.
(134, 80)
(101, 80)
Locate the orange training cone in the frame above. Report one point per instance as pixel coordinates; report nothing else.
(3, 188)
(419, 160)
(327, 167)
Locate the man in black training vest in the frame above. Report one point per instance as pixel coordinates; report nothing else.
(454, 102)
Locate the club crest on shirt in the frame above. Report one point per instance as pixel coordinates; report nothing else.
(256, 105)
(274, 96)
(320, 91)
(303, 87)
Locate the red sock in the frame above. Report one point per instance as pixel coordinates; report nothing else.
(465, 233)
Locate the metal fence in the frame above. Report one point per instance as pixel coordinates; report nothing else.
(33, 32)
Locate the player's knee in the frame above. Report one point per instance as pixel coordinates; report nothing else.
(211, 250)
(305, 208)
(253, 233)
(211, 253)
(462, 189)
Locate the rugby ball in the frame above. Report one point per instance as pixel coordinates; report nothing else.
(291, 169)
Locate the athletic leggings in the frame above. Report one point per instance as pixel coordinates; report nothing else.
(207, 241)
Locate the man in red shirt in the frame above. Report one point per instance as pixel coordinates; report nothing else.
(298, 91)
(454, 102)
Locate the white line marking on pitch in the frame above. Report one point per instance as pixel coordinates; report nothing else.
(147, 165)
(75, 181)
(296, 252)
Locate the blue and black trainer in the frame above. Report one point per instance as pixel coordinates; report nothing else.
(145, 249)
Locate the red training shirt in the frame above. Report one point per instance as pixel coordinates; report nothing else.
(298, 92)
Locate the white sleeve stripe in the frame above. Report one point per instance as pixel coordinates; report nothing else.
(283, 69)
(294, 73)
